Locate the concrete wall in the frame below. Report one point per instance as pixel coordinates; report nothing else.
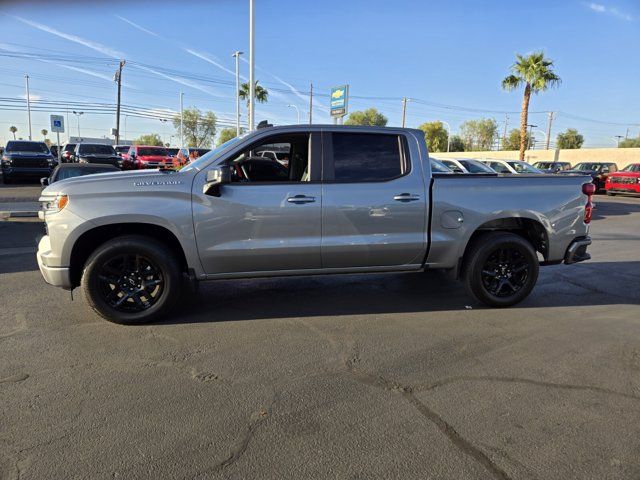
(620, 156)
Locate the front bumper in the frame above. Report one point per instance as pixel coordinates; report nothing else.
(577, 251)
(623, 187)
(38, 172)
(56, 276)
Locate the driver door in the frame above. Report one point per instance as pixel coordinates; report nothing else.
(268, 222)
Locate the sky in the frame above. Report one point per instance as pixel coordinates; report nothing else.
(448, 58)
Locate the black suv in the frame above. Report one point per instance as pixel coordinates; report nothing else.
(97, 153)
(26, 159)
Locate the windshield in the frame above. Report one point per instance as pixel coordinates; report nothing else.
(37, 147)
(474, 166)
(523, 167)
(153, 151)
(634, 167)
(197, 164)
(544, 165)
(94, 149)
(122, 149)
(588, 166)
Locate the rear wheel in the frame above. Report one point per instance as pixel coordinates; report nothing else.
(6, 180)
(131, 279)
(500, 269)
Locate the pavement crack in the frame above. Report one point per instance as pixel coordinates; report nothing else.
(527, 381)
(18, 377)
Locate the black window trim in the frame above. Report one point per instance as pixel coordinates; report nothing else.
(315, 151)
(328, 170)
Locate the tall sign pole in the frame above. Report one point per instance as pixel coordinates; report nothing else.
(26, 77)
(119, 80)
(57, 125)
(252, 85)
(339, 102)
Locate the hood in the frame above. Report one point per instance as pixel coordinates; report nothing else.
(625, 174)
(579, 172)
(98, 155)
(28, 154)
(130, 180)
(154, 158)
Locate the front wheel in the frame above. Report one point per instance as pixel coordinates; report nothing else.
(131, 279)
(500, 269)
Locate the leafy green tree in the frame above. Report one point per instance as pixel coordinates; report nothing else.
(261, 93)
(570, 139)
(512, 142)
(536, 73)
(13, 129)
(151, 139)
(630, 143)
(226, 134)
(44, 132)
(479, 134)
(435, 135)
(198, 129)
(456, 144)
(370, 117)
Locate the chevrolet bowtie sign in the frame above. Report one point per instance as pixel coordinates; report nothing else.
(339, 100)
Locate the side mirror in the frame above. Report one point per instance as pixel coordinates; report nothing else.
(44, 181)
(215, 178)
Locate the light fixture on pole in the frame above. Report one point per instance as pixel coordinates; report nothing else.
(237, 54)
(252, 86)
(618, 137)
(164, 128)
(297, 111)
(77, 114)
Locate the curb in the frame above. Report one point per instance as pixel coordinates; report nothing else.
(23, 214)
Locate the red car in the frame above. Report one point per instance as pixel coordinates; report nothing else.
(626, 180)
(141, 156)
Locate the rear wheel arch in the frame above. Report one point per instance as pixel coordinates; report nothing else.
(90, 240)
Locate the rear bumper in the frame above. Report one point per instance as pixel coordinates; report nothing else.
(577, 251)
(56, 276)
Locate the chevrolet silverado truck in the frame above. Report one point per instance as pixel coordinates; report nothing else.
(351, 200)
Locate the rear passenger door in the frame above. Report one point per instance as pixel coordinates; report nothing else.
(374, 206)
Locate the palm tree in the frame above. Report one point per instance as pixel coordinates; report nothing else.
(536, 74)
(261, 94)
(13, 130)
(44, 132)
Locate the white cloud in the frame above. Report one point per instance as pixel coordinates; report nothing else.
(139, 27)
(33, 97)
(110, 52)
(612, 11)
(181, 81)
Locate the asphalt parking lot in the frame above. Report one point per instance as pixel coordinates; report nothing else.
(380, 376)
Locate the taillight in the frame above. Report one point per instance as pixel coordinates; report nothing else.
(588, 189)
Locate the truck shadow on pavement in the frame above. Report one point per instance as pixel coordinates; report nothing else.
(293, 297)
(605, 207)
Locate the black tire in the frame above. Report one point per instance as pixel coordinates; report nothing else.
(500, 269)
(611, 194)
(6, 180)
(132, 279)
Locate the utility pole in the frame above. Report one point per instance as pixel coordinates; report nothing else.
(26, 77)
(118, 78)
(252, 86)
(504, 135)
(181, 121)
(627, 134)
(237, 54)
(546, 147)
(311, 104)
(404, 110)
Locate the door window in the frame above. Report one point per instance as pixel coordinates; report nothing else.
(285, 158)
(366, 157)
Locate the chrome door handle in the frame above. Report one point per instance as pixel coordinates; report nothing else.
(300, 199)
(406, 197)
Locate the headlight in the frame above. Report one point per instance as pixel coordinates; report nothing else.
(82, 160)
(6, 160)
(55, 205)
(638, 179)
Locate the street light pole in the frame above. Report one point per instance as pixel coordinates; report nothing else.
(297, 111)
(125, 126)
(26, 77)
(77, 114)
(164, 128)
(531, 127)
(404, 109)
(237, 55)
(448, 133)
(618, 137)
(252, 86)
(181, 120)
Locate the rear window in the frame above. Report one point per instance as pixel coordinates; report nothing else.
(362, 157)
(37, 147)
(153, 151)
(69, 147)
(94, 149)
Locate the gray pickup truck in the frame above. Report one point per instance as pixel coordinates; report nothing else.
(351, 200)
